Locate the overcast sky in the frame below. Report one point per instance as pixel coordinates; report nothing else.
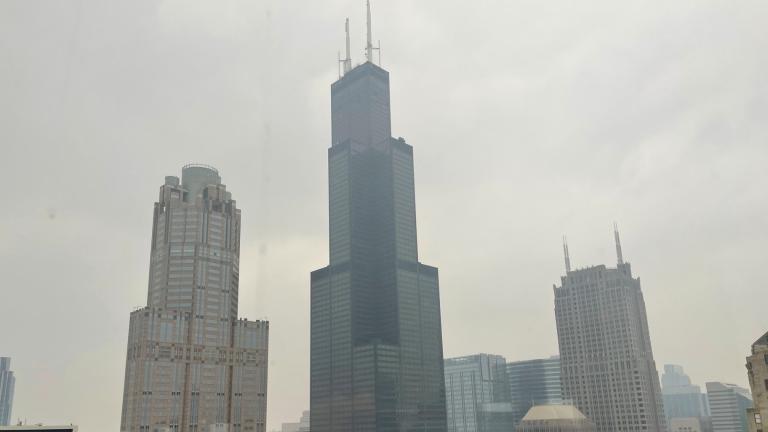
(529, 120)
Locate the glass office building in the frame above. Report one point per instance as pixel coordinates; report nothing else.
(477, 394)
(376, 340)
(533, 382)
(7, 384)
(728, 405)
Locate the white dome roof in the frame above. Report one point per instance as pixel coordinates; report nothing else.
(554, 412)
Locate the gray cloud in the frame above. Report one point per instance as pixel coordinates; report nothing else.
(529, 120)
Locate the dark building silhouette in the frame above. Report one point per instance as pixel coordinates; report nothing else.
(376, 354)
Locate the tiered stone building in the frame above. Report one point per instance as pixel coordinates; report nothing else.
(192, 365)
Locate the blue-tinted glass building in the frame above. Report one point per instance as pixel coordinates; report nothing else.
(376, 340)
(7, 384)
(477, 394)
(533, 382)
(682, 399)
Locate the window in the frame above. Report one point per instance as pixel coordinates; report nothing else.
(758, 419)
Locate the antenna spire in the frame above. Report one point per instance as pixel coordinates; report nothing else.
(369, 48)
(347, 62)
(369, 43)
(619, 255)
(567, 255)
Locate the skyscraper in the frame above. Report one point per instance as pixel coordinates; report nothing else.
(192, 365)
(606, 359)
(728, 404)
(477, 394)
(757, 367)
(534, 382)
(376, 339)
(681, 398)
(7, 384)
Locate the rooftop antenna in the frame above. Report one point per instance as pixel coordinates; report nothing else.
(369, 48)
(345, 64)
(348, 58)
(619, 256)
(567, 255)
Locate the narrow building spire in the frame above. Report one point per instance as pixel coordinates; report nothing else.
(346, 62)
(567, 255)
(348, 59)
(369, 39)
(619, 256)
(369, 48)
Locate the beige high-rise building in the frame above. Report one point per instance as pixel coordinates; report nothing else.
(606, 361)
(757, 367)
(192, 365)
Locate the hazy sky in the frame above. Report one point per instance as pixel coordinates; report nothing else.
(529, 120)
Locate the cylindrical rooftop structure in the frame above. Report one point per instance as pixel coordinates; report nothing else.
(195, 177)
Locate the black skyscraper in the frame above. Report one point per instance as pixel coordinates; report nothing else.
(377, 354)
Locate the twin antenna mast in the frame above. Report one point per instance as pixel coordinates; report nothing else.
(619, 254)
(345, 64)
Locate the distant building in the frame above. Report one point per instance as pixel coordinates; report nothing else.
(606, 358)
(477, 394)
(533, 382)
(728, 404)
(555, 418)
(757, 367)
(192, 364)
(301, 426)
(683, 400)
(7, 384)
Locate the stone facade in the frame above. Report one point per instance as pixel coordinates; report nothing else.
(607, 364)
(757, 367)
(192, 365)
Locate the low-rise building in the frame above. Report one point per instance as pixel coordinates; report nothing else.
(555, 418)
(39, 428)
